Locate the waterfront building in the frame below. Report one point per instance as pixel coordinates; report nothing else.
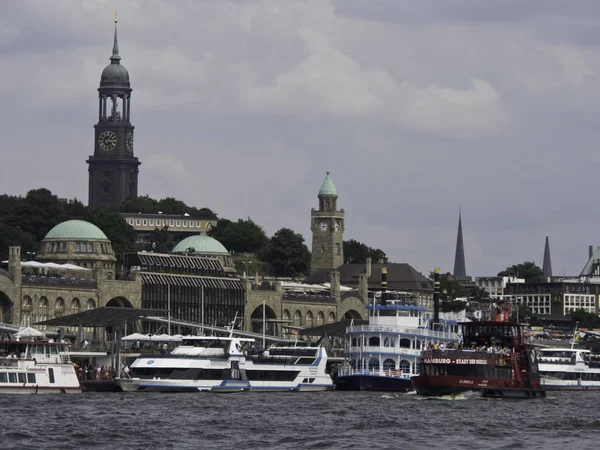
(178, 226)
(113, 168)
(495, 285)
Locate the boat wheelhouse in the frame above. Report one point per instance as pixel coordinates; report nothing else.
(383, 354)
(569, 369)
(492, 359)
(228, 364)
(36, 367)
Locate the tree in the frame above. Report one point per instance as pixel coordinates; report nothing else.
(287, 253)
(450, 289)
(161, 238)
(528, 270)
(243, 236)
(119, 232)
(523, 314)
(168, 205)
(356, 252)
(584, 319)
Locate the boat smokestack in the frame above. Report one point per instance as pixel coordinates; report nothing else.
(436, 295)
(383, 285)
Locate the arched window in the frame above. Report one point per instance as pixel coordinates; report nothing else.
(298, 318)
(91, 304)
(27, 303)
(405, 343)
(389, 364)
(44, 304)
(286, 314)
(405, 366)
(75, 306)
(331, 318)
(374, 364)
(320, 318)
(59, 307)
(374, 341)
(309, 319)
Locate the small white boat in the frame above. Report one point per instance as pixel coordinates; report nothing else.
(228, 364)
(36, 367)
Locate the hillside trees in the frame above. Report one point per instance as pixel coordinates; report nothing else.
(287, 253)
(356, 252)
(528, 270)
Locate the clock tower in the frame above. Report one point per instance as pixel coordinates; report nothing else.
(327, 226)
(113, 168)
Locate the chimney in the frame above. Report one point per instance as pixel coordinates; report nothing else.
(436, 296)
(383, 286)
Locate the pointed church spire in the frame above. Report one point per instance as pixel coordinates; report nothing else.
(547, 266)
(115, 58)
(459, 258)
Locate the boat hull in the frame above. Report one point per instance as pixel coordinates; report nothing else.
(439, 386)
(226, 386)
(361, 382)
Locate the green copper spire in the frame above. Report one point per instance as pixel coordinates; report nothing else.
(328, 188)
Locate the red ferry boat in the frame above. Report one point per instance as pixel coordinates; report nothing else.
(492, 359)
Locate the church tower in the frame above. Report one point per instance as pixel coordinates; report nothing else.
(460, 270)
(327, 226)
(547, 265)
(113, 169)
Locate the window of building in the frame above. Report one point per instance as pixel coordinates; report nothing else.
(145, 222)
(338, 249)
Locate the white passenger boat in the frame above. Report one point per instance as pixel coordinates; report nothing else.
(383, 355)
(569, 369)
(228, 364)
(36, 367)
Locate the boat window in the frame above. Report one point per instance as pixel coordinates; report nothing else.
(354, 342)
(31, 378)
(405, 366)
(374, 341)
(3, 377)
(405, 343)
(417, 344)
(51, 375)
(12, 377)
(389, 364)
(22, 378)
(373, 364)
(53, 350)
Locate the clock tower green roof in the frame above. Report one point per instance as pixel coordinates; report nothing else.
(328, 188)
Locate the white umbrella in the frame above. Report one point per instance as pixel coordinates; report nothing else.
(74, 267)
(136, 337)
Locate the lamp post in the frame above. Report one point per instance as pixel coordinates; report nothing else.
(246, 267)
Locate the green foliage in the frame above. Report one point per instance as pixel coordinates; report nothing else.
(528, 270)
(168, 205)
(162, 240)
(356, 252)
(523, 314)
(449, 287)
(110, 221)
(584, 319)
(287, 253)
(243, 236)
(453, 305)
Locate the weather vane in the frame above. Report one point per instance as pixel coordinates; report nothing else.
(114, 13)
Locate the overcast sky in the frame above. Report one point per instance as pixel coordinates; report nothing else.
(416, 108)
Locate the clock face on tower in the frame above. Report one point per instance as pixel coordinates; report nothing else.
(129, 142)
(107, 140)
(323, 225)
(337, 226)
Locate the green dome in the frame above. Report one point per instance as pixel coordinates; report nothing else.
(328, 188)
(202, 245)
(76, 229)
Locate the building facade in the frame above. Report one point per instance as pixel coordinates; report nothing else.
(113, 168)
(178, 226)
(327, 228)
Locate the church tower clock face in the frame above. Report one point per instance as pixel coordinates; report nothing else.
(323, 225)
(107, 140)
(129, 142)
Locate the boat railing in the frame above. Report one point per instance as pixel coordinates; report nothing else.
(9, 362)
(345, 371)
(405, 330)
(383, 349)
